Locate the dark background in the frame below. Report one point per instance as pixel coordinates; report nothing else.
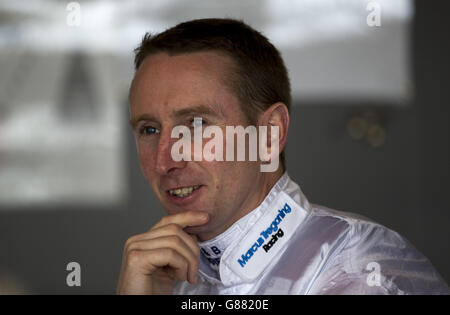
(403, 185)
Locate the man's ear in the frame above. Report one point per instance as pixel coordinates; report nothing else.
(276, 115)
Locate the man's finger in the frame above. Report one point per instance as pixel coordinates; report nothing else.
(173, 242)
(152, 259)
(167, 230)
(184, 219)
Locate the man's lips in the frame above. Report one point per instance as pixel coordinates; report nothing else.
(182, 195)
(183, 189)
(182, 186)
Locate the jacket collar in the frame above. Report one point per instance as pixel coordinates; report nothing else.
(255, 240)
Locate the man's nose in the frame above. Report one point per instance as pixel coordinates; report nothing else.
(164, 161)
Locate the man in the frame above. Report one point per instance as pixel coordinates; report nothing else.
(232, 228)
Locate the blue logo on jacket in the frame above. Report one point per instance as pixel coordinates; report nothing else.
(272, 231)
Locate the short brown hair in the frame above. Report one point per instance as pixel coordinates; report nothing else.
(259, 78)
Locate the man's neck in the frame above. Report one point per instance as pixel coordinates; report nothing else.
(265, 184)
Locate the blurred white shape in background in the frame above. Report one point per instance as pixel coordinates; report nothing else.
(63, 88)
(333, 55)
(61, 131)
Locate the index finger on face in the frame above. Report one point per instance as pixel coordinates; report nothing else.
(184, 219)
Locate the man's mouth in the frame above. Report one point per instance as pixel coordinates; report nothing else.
(183, 191)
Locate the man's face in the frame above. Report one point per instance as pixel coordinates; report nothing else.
(170, 91)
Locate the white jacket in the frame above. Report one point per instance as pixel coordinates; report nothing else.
(288, 246)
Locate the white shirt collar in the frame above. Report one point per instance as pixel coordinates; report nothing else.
(224, 247)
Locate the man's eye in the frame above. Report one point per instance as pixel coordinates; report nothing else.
(197, 122)
(149, 130)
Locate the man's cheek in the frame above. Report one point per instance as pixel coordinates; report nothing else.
(146, 161)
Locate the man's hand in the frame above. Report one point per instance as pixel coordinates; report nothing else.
(154, 260)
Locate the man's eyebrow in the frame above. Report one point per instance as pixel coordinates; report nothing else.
(198, 109)
(135, 120)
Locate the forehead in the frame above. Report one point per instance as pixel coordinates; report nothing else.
(164, 83)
